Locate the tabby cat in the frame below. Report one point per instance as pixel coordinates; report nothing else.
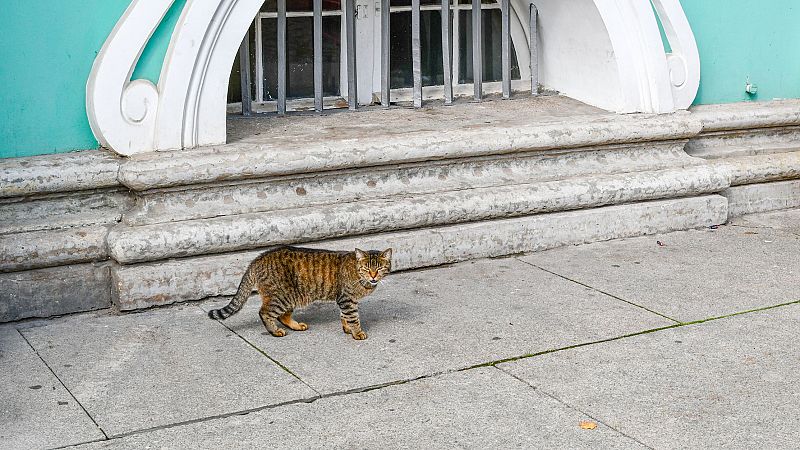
(293, 277)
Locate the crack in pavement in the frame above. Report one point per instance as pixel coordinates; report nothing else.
(596, 419)
(62, 383)
(600, 291)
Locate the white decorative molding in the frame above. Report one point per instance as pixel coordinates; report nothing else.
(187, 108)
(612, 55)
(122, 113)
(607, 53)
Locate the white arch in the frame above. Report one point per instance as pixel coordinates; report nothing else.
(607, 53)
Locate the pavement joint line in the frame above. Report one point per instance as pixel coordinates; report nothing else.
(629, 335)
(105, 435)
(278, 363)
(596, 419)
(601, 291)
(374, 387)
(306, 400)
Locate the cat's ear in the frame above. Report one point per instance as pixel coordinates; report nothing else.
(361, 255)
(387, 254)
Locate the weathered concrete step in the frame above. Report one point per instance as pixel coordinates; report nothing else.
(68, 172)
(344, 186)
(247, 160)
(144, 285)
(748, 115)
(761, 168)
(59, 211)
(36, 249)
(763, 197)
(161, 241)
(53, 291)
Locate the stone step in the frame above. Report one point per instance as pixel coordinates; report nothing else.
(194, 278)
(246, 231)
(38, 249)
(762, 197)
(344, 186)
(256, 159)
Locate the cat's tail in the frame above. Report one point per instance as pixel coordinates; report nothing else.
(242, 294)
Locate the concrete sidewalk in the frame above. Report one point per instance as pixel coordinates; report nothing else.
(673, 341)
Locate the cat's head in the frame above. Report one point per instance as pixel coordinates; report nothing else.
(373, 265)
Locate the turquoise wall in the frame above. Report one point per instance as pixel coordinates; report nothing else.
(741, 38)
(46, 54)
(48, 47)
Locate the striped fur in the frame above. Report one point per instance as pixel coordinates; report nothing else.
(288, 278)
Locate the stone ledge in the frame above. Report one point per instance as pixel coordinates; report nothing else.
(246, 160)
(748, 115)
(756, 198)
(144, 285)
(161, 241)
(206, 201)
(37, 249)
(66, 172)
(54, 291)
(59, 211)
(761, 168)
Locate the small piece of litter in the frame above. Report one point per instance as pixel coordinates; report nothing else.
(588, 425)
(768, 242)
(661, 244)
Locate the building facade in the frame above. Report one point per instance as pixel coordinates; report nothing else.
(141, 164)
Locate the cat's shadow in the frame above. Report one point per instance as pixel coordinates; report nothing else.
(372, 312)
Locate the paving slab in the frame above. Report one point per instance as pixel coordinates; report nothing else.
(728, 383)
(787, 220)
(159, 367)
(482, 408)
(442, 319)
(691, 275)
(35, 409)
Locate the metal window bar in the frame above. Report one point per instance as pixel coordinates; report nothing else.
(505, 43)
(318, 56)
(447, 50)
(385, 53)
(244, 75)
(281, 56)
(350, 31)
(416, 53)
(477, 50)
(534, 49)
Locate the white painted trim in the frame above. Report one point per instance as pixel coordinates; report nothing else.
(607, 53)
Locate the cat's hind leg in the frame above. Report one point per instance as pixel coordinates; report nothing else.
(287, 320)
(270, 310)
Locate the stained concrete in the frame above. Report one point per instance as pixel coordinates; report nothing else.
(35, 409)
(760, 269)
(143, 285)
(308, 190)
(762, 197)
(285, 154)
(730, 383)
(160, 367)
(239, 232)
(786, 220)
(37, 249)
(477, 409)
(68, 172)
(54, 291)
(444, 319)
(62, 211)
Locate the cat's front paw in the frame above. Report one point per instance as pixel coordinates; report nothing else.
(280, 332)
(360, 336)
